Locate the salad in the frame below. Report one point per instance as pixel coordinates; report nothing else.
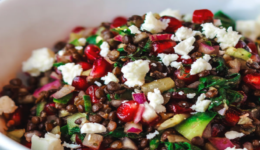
(161, 81)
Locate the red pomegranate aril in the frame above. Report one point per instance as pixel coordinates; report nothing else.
(252, 80)
(100, 68)
(91, 92)
(80, 82)
(78, 29)
(85, 65)
(26, 144)
(216, 129)
(232, 116)
(177, 97)
(185, 76)
(92, 52)
(174, 107)
(123, 79)
(47, 108)
(163, 47)
(202, 15)
(185, 61)
(118, 21)
(126, 111)
(78, 141)
(240, 44)
(173, 24)
(253, 48)
(17, 116)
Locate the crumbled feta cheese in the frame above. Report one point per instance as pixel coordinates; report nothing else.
(244, 119)
(211, 31)
(152, 135)
(185, 57)
(248, 28)
(82, 41)
(41, 60)
(233, 134)
(153, 64)
(49, 142)
(98, 83)
(181, 93)
(3, 126)
(156, 100)
(92, 128)
(7, 105)
(172, 13)
(206, 57)
(61, 52)
(200, 65)
(183, 33)
(234, 148)
(187, 17)
(176, 64)
(79, 48)
(110, 77)
(184, 47)
(201, 104)
(69, 71)
(104, 49)
(168, 58)
(152, 24)
(134, 29)
(229, 39)
(72, 146)
(217, 22)
(135, 72)
(191, 95)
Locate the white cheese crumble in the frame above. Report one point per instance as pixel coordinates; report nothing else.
(7, 105)
(244, 119)
(135, 72)
(134, 30)
(98, 83)
(49, 142)
(183, 33)
(211, 31)
(110, 77)
(233, 134)
(176, 64)
(248, 28)
(152, 135)
(92, 128)
(185, 57)
(41, 60)
(104, 49)
(79, 48)
(200, 65)
(156, 100)
(172, 13)
(234, 148)
(72, 146)
(168, 58)
(191, 95)
(201, 104)
(184, 47)
(206, 57)
(217, 22)
(153, 64)
(61, 52)
(69, 71)
(181, 93)
(152, 24)
(82, 41)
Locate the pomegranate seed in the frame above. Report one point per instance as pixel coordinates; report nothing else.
(17, 116)
(48, 109)
(201, 16)
(185, 61)
(80, 83)
(163, 47)
(232, 116)
(186, 77)
(123, 79)
(177, 97)
(252, 80)
(118, 21)
(26, 144)
(126, 111)
(240, 44)
(100, 68)
(78, 141)
(252, 47)
(92, 52)
(91, 92)
(217, 129)
(78, 29)
(85, 66)
(173, 24)
(174, 107)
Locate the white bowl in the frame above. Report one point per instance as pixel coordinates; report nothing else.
(30, 24)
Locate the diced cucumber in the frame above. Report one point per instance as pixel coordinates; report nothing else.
(56, 130)
(63, 100)
(39, 108)
(87, 103)
(71, 120)
(16, 134)
(238, 53)
(73, 138)
(195, 125)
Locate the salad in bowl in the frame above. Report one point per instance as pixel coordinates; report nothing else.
(160, 81)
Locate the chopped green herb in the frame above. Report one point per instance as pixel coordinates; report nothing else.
(118, 64)
(58, 64)
(75, 130)
(63, 100)
(99, 43)
(123, 30)
(75, 42)
(87, 103)
(82, 136)
(92, 39)
(64, 130)
(185, 146)
(155, 142)
(120, 49)
(148, 45)
(219, 64)
(149, 78)
(225, 20)
(108, 97)
(208, 43)
(117, 96)
(169, 145)
(187, 90)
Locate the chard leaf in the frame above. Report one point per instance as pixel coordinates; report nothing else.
(63, 100)
(184, 146)
(225, 19)
(92, 39)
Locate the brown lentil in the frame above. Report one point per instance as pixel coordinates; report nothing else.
(112, 116)
(144, 142)
(59, 45)
(41, 126)
(204, 73)
(130, 48)
(35, 120)
(105, 123)
(31, 126)
(111, 125)
(165, 135)
(59, 121)
(106, 34)
(97, 107)
(179, 83)
(48, 126)
(107, 141)
(212, 93)
(127, 39)
(117, 71)
(95, 118)
(16, 82)
(100, 93)
(71, 108)
(78, 121)
(198, 141)
(136, 20)
(255, 143)
(113, 86)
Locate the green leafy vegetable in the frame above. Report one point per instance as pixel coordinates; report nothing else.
(75, 130)
(148, 45)
(120, 49)
(75, 42)
(155, 142)
(225, 19)
(187, 90)
(81, 136)
(219, 82)
(117, 96)
(185, 146)
(169, 145)
(149, 78)
(92, 39)
(118, 64)
(63, 100)
(219, 64)
(87, 103)
(208, 43)
(123, 30)
(64, 130)
(58, 64)
(108, 97)
(99, 43)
